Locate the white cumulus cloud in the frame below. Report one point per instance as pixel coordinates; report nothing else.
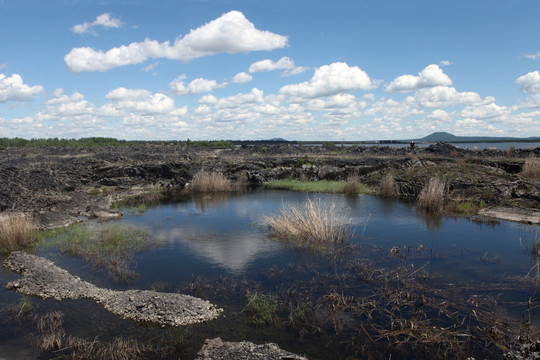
(13, 88)
(442, 96)
(141, 101)
(231, 33)
(529, 83)
(241, 78)
(330, 80)
(103, 20)
(431, 76)
(285, 63)
(197, 86)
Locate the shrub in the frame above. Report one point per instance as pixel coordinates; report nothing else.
(433, 195)
(531, 168)
(314, 222)
(17, 231)
(387, 187)
(210, 182)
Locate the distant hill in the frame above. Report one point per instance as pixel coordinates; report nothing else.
(450, 138)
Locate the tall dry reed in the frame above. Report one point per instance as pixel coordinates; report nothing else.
(209, 182)
(388, 187)
(531, 168)
(17, 231)
(314, 222)
(433, 195)
(352, 185)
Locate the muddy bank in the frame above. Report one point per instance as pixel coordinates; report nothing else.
(44, 279)
(57, 185)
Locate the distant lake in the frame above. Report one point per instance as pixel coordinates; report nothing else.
(469, 146)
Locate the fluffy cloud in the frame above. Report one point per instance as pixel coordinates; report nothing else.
(256, 96)
(230, 33)
(241, 78)
(431, 76)
(284, 63)
(13, 88)
(141, 101)
(103, 20)
(63, 107)
(486, 111)
(330, 80)
(196, 86)
(442, 96)
(529, 83)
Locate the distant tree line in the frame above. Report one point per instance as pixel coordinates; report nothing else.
(105, 141)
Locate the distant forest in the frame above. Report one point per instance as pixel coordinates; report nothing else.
(105, 141)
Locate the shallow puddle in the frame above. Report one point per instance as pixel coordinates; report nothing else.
(217, 247)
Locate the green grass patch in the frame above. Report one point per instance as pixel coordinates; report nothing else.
(110, 247)
(470, 207)
(321, 186)
(261, 309)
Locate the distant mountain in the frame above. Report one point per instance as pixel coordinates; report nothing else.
(450, 138)
(439, 136)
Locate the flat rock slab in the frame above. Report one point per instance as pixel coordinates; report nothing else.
(528, 216)
(216, 349)
(44, 279)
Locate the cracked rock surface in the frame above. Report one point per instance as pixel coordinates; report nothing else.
(44, 279)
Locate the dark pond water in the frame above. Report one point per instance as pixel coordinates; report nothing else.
(218, 248)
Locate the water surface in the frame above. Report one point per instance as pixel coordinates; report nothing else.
(212, 245)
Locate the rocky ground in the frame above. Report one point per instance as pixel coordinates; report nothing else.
(57, 185)
(44, 279)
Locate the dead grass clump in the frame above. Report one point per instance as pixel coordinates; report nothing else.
(388, 187)
(352, 185)
(314, 222)
(210, 182)
(17, 231)
(531, 168)
(433, 195)
(53, 338)
(52, 333)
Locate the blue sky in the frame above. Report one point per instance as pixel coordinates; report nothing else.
(253, 69)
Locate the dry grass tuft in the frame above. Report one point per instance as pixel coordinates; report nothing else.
(210, 182)
(352, 185)
(314, 222)
(17, 231)
(53, 338)
(531, 168)
(388, 187)
(433, 195)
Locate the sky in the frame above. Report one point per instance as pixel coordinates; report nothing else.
(337, 70)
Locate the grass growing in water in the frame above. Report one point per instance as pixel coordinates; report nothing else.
(314, 222)
(261, 309)
(388, 186)
(433, 195)
(17, 231)
(322, 186)
(111, 247)
(210, 182)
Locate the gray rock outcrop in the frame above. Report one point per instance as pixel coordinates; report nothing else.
(44, 279)
(215, 349)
